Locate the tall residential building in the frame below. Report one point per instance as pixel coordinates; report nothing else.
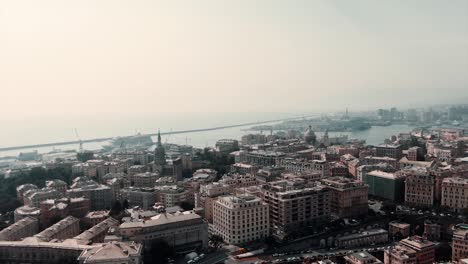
(294, 204)
(25, 227)
(240, 219)
(425, 249)
(419, 187)
(455, 194)
(460, 242)
(348, 196)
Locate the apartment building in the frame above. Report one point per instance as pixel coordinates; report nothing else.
(348, 196)
(34, 197)
(455, 193)
(460, 242)
(143, 180)
(419, 187)
(240, 219)
(294, 204)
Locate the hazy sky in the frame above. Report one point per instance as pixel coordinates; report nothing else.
(111, 56)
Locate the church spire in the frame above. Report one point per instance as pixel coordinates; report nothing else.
(159, 137)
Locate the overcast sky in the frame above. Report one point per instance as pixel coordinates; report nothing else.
(112, 56)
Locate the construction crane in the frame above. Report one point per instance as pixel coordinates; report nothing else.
(79, 139)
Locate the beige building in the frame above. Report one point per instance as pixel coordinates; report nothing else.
(20, 190)
(113, 253)
(240, 219)
(38, 252)
(361, 258)
(238, 180)
(455, 193)
(97, 233)
(460, 242)
(184, 231)
(65, 228)
(431, 231)
(171, 195)
(399, 255)
(207, 196)
(294, 204)
(58, 185)
(142, 197)
(348, 196)
(396, 227)
(143, 180)
(425, 249)
(100, 196)
(25, 227)
(419, 187)
(34, 197)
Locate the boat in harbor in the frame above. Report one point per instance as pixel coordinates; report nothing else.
(134, 141)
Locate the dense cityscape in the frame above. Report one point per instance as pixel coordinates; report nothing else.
(278, 194)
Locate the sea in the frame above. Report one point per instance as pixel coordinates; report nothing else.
(29, 131)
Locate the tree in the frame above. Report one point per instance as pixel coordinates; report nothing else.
(270, 241)
(388, 206)
(158, 252)
(125, 204)
(216, 241)
(116, 209)
(85, 156)
(186, 206)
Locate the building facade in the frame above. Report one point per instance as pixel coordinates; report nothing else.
(240, 219)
